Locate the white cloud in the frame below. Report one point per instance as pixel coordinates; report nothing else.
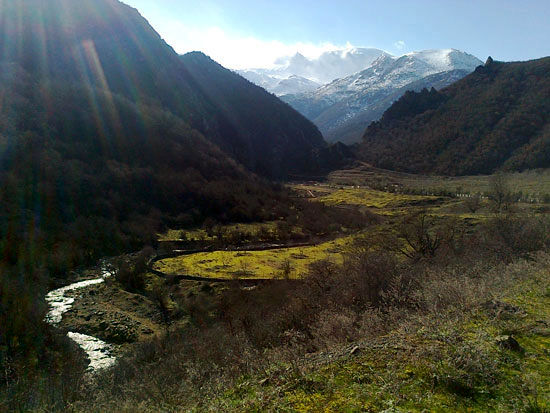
(400, 45)
(234, 51)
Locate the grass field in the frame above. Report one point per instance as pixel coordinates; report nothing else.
(534, 184)
(339, 192)
(254, 264)
(383, 201)
(200, 234)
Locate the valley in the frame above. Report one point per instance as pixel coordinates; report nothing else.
(251, 259)
(203, 262)
(329, 228)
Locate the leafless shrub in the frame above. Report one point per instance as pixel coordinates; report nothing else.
(130, 272)
(418, 236)
(286, 269)
(499, 192)
(510, 235)
(473, 203)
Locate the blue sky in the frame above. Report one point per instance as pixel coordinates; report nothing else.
(253, 33)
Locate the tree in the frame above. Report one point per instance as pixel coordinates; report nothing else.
(286, 269)
(473, 203)
(499, 192)
(418, 236)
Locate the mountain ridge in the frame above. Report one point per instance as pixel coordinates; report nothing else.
(110, 46)
(496, 118)
(342, 102)
(327, 67)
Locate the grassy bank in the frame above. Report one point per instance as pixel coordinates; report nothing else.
(439, 361)
(284, 262)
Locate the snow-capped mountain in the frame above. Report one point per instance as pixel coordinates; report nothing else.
(339, 104)
(294, 71)
(295, 84)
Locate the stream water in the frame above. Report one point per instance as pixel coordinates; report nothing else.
(60, 301)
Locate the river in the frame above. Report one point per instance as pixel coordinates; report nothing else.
(60, 301)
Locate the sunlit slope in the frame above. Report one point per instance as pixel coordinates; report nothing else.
(495, 118)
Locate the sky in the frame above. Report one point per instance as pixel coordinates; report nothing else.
(254, 33)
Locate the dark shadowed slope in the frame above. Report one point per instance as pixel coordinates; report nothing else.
(275, 137)
(109, 46)
(496, 118)
(97, 154)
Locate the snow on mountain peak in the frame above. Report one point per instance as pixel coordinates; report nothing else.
(389, 72)
(353, 69)
(324, 69)
(343, 107)
(444, 60)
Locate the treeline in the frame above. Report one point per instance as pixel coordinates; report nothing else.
(497, 118)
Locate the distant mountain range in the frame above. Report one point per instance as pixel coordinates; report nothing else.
(310, 74)
(343, 108)
(496, 118)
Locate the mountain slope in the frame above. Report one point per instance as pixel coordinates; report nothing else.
(109, 46)
(291, 138)
(97, 144)
(496, 118)
(324, 69)
(294, 84)
(352, 130)
(335, 107)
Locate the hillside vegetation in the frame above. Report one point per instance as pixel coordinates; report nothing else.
(420, 312)
(105, 138)
(273, 139)
(110, 46)
(496, 118)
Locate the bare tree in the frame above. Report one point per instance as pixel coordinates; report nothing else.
(417, 236)
(473, 203)
(499, 192)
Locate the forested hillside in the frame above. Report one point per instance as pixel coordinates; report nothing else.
(495, 118)
(273, 137)
(108, 45)
(105, 138)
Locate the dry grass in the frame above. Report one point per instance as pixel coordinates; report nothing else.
(426, 338)
(533, 184)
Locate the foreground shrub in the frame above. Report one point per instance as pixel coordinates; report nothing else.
(130, 272)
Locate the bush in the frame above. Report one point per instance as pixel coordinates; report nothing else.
(499, 192)
(130, 273)
(473, 203)
(510, 235)
(419, 235)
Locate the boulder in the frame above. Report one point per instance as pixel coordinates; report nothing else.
(509, 343)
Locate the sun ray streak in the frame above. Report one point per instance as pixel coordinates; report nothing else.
(94, 64)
